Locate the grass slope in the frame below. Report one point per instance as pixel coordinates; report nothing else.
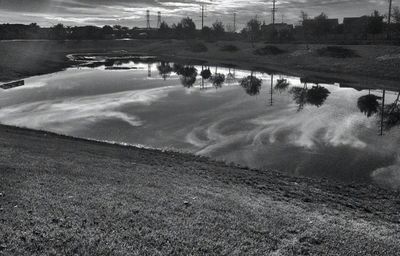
(22, 59)
(64, 196)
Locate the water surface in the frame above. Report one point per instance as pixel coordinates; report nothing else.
(300, 126)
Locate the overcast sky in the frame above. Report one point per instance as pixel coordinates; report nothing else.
(132, 13)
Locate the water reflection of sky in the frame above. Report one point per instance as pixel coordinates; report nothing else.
(138, 106)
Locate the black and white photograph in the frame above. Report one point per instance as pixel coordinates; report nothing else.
(199, 127)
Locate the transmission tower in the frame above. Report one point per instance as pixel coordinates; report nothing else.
(148, 19)
(202, 16)
(273, 11)
(158, 19)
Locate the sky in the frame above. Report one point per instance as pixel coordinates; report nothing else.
(132, 13)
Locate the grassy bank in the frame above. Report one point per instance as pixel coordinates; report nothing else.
(64, 196)
(22, 59)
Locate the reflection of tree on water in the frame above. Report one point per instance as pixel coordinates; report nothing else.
(187, 74)
(231, 78)
(368, 104)
(315, 96)
(390, 113)
(251, 84)
(177, 68)
(281, 85)
(164, 69)
(148, 70)
(205, 74)
(217, 80)
(299, 96)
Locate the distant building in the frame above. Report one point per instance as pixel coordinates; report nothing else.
(283, 31)
(331, 24)
(278, 27)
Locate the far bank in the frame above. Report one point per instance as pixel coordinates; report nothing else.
(22, 59)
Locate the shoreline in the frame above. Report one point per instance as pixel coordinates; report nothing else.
(51, 56)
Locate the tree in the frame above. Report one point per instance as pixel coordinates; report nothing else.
(319, 26)
(303, 17)
(59, 32)
(186, 28)
(396, 15)
(164, 29)
(107, 30)
(375, 23)
(218, 29)
(253, 28)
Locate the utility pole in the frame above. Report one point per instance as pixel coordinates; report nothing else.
(273, 19)
(382, 110)
(202, 16)
(148, 19)
(273, 12)
(389, 19)
(158, 19)
(234, 22)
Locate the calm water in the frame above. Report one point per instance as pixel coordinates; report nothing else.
(266, 121)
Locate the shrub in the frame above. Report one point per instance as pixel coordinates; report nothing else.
(337, 52)
(229, 48)
(197, 47)
(269, 50)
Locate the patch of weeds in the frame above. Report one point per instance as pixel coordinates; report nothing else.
(269, 50)
(229, 48)
(337, 52)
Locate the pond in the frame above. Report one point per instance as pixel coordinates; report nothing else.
(300, 126)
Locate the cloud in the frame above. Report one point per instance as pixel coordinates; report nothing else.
(70, 114)
(388, 176)
(132, 12)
